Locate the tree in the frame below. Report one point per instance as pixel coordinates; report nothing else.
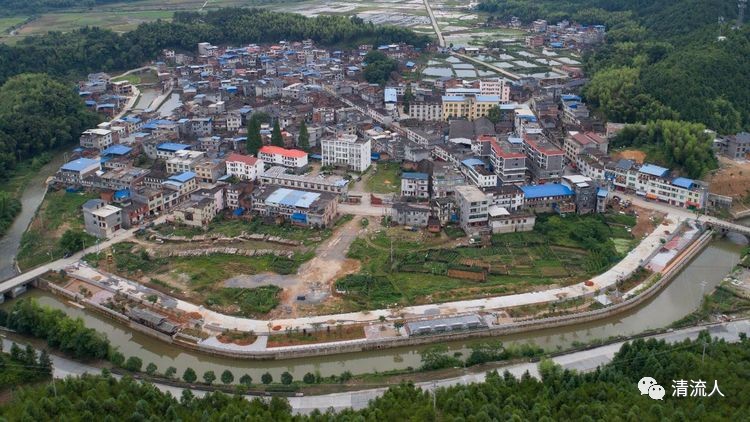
(45, 362)
(286, 378)
(276, 138)
(133, 364)
(378, 67)
(398, 325)
(189, 375)
(494, 114)
(227, 377)
(304, 137)
(309, 378)
(117, 358)
(266, 378)
(15, 352)
(209, 377)
(170, 372)
(246, 380)
(74, 240)
(408, 98)
(151, 368)
(29, 355)
(254, 140)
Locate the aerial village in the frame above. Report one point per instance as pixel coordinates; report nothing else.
(456, 154)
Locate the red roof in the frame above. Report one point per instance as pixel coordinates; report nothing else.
(500, 152)
(247, 159)
(293, 153)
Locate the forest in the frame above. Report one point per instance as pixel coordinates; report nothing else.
(21, 7)
(661, 60)
(610, 393)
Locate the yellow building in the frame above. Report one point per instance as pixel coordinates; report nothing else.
(469, 107)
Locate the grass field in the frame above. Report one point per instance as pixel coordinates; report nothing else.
(58, 212)
(117, 21)
(200, 278)
(385, 179)
(422, 272)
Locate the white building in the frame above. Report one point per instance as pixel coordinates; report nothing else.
(244, 167)
(473, 207)
(415, 184)
(495, 86)
(96, 138)
(183, 161)
(347, 151)
(276, 156)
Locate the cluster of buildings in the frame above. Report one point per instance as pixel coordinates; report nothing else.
(564, 34)
(541, 152)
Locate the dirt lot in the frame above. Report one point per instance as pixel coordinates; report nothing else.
(630, 154)
(732, 179)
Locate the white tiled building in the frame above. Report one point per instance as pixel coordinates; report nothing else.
(347, 151)
(244, 167)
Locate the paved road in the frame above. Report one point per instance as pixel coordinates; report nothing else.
(435, 26)
(583, 361)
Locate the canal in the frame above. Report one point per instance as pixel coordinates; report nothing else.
(31, 198)
(680, 298)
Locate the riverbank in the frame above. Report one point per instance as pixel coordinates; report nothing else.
(682, 296)
(684, 234)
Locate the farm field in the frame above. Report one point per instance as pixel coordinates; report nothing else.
(559, 252)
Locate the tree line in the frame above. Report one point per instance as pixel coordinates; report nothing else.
(608, 393)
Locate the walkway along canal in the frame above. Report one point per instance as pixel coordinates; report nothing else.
(681, 297)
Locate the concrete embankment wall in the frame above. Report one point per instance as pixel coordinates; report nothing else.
(658, 282)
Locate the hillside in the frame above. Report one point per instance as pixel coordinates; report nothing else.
(664, 57)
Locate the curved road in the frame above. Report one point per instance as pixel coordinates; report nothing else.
(583, 361)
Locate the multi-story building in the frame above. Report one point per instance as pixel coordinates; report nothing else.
(416, 185)
(183, 160)
(503, 221)
(75, 171)
(544, 160)
(654, 182)
(584, 192)
(101, 219)
(97, 138)
(508, 161)
(473, 209)
(478, 172)
(469, 107)
(196, 212)
(578, 142)
(551, 197)
(294, 159)
(445, 178)
(346, 151)
(305, 208)
(209, 170)
(244, 167)
(497, 87)
(280, 176)
(165, 150)
(427, 110)
(406, 214)
(735, 146)
(509, 197)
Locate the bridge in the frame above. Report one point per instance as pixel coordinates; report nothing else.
(17, 285)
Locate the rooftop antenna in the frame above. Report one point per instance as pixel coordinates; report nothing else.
(741, 5)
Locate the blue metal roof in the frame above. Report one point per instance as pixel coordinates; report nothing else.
(389, 95)
(417, 176)
(570, 97)
(544, 191)
(488, 98)
(183, 177)
(654, 170)
(172, 146)
(453, 98)
(470, 162)
(683, 182)
(410, 64)
(602, 193)
(117, 149)
(79, 164)
(293, 198)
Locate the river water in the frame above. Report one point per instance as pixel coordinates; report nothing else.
(681, 297)
(30, 200)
